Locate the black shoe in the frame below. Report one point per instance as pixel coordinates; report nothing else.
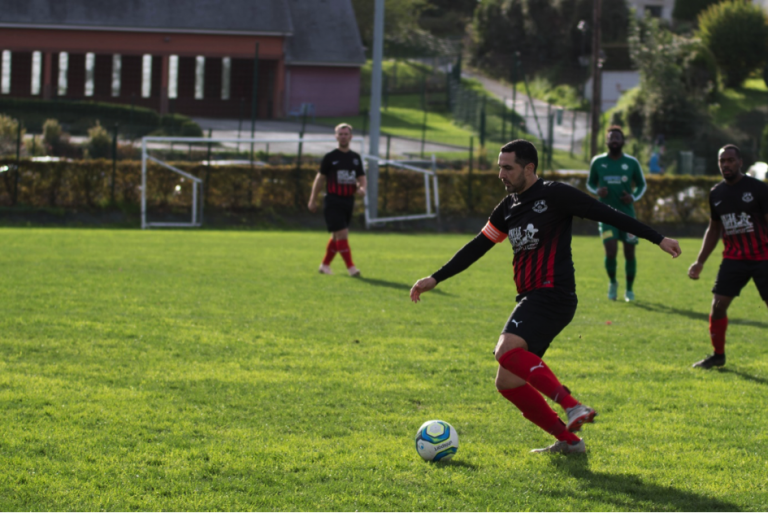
(713, 360)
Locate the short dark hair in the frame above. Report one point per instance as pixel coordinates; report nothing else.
(525, 152)
(733, 147)
(615, 128)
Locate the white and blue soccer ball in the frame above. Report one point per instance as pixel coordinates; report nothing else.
(437, 441)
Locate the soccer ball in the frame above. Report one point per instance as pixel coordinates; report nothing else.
(437, 441)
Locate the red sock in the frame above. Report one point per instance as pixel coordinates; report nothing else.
(330, 252)
(536, 409)
(343, 247)
(717, 329)
(531, 368)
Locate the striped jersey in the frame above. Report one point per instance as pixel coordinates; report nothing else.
(742, 208)
(538, 224)
(341, 169)
(618, 176)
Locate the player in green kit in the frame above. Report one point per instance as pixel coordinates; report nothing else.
(618, 180)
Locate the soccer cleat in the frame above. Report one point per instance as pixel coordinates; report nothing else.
(563, 447)
(578, 416)
(325, 269)
(354, 272)
(613, 291)
(713, 360)
(629, 296)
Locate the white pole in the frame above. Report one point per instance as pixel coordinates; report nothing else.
(143, 184)
(375, 109)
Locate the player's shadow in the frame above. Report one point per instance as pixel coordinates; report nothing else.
(744, 375)
(691, 314)
(627, 492)
(394, 285)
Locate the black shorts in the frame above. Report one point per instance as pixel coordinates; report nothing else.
(338, 211)
(540, 316)
(735, 274)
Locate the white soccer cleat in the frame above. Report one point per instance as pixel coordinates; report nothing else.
(325, 269)
(578, 416)
(354, 272)
(562, 447)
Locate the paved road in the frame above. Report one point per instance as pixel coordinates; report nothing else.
(228, 128)
(570, 129)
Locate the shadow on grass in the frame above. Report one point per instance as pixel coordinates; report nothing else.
(744, 375)
(630, 492)
(691, 314)
(395, 285)
(454, 463)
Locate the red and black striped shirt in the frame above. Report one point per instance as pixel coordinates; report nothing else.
(741, 208)
(341, 170)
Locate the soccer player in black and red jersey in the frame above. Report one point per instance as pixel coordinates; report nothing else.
(342, 170)
(537, 217)
(739, 213)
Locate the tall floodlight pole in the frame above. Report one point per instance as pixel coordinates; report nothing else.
(597, 79)
(375, 110)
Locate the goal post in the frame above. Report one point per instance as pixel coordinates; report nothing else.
(196, 218)
(431, 190)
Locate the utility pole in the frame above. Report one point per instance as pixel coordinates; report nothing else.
(375, 111)
(597, 100)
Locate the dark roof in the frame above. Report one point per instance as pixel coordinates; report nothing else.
(325, 32)
(222, 16)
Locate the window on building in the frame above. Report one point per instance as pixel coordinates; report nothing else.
(226, 73)
(63, 71)
(90, 69)
(5, 78)
(199, 77)
(654, 10)
(146, 76)
(37, 67)
(173, 76)
(117, 65)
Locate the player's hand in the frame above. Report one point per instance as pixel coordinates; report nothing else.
(695, 270)
(312, 205)
(361, 191)
(670, 246)
(627, 198)
(602, 192)
(421, 286)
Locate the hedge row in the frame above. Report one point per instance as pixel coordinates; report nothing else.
(88, 184)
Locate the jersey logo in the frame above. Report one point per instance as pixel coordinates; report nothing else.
(356, 161)
(517, 323)
(624, 178)
(335, 162)
(631, 238)
(624, 167)
(540, 206)
(718, 202)
(734, 224)
(747, 197)
(523, 239)
(344, 176)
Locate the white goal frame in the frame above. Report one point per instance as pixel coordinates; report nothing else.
(431, 192)
(197, 183)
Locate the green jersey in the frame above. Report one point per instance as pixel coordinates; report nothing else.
(618, 176)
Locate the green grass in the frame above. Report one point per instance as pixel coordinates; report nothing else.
(203, 370)
(732, 102)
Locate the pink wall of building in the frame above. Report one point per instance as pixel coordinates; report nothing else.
(334, 91)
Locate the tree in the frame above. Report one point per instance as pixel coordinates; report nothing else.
(400, 18)
(737, 35)
(689, 10)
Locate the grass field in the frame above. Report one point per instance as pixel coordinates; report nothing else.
(204, 370)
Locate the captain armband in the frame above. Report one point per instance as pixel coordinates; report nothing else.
(493, 234)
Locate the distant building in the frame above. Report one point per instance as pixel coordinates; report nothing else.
(194, 57)
(656, 8)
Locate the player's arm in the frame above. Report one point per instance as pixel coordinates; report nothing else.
(708, 244)
(594, 180)
(316, 186)
(640, 185)
(362, 184)
(466, 256)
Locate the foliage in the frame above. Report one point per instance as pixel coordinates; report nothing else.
(99, 142)
(400, 20)
(672, 93)
(764, 145)
(135, 379)
(9, 134)
(78, 116)
(737, 35)
(79, 184)
(544, 32)
(689, 10)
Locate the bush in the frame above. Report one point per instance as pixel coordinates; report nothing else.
(99, 142)
(9, 133)
(56, 141)
(737, 35)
